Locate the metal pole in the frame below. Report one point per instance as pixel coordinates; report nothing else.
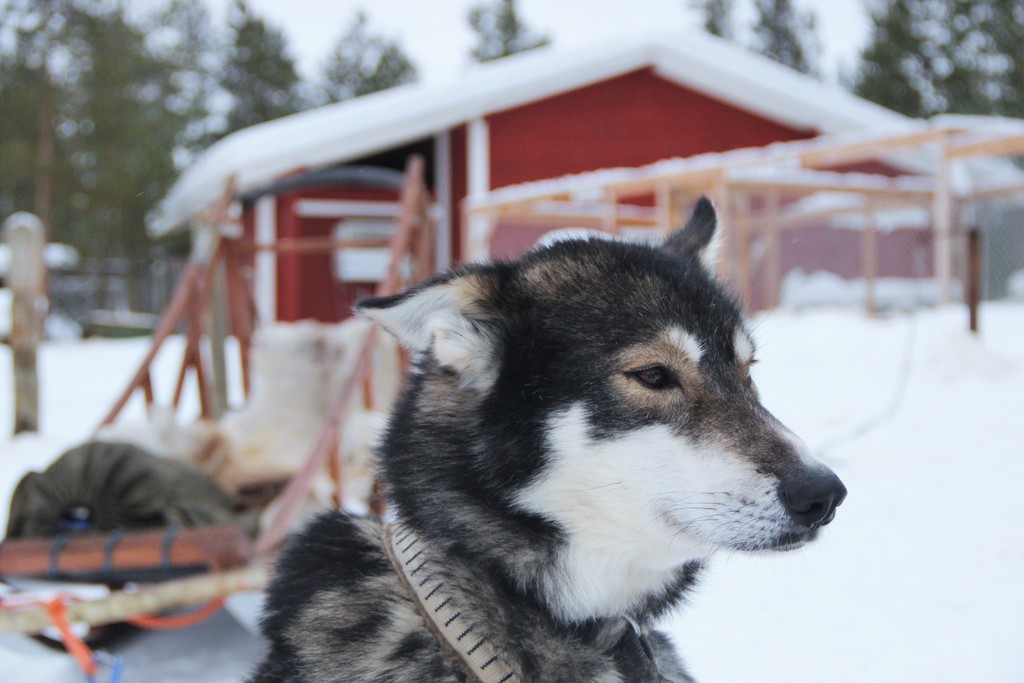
(26, 278)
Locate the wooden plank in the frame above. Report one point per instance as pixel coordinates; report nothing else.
(121, 605)
(792, 220)
(173, 314)
(308, 245)
(869, 258)
(622, 217)
(147, 392)
(942, 230)
(216, 547)
(610, 215)
(189, 294)
(999, 191)
(1001, 145)
(809, 182)
(825, 151)
(721, 195)
(773, 250)
(217, 322)
(832, 152)
(242, 309)
(742, 240)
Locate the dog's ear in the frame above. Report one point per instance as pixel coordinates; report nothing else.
(448, 317)
(700, 236)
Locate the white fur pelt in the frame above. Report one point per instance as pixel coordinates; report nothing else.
(298, 372)
(200, 442)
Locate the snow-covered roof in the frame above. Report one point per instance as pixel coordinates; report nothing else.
(349, 130)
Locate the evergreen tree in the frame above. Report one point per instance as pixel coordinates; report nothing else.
(362, 63)
(121, 154)
(89, 118)
(786, 35)
(930, 56)
(499, 31)
(30, 100)
(894, 71)
(716, 16)
(183, 38)
(990, 56)
(259, 75)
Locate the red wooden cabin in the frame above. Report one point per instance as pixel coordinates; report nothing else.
(537, 115)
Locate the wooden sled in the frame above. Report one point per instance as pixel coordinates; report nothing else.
(204, 565)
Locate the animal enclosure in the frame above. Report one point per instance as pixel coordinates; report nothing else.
(878, 217)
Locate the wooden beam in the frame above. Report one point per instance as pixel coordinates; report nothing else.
(773, 250)
(721, 195)
(216, 547)
(819, 152)
(797, 219)
(176, 310)
(610, 216)
(826, 152)
(810, 181)
(308, 245)
(869, 257)
(650, 178)
(995, 192)
(742, 240)
(942, 230)
(122, 604)
(1001, 145)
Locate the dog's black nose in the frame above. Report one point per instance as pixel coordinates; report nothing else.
(811, 498)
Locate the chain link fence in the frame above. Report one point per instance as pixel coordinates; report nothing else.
(107, 295)
(1002, 242)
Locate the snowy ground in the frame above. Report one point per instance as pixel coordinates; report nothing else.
(918, 579)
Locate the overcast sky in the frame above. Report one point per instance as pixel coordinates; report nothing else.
(437, 37)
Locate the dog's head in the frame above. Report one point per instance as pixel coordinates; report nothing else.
(605, 388)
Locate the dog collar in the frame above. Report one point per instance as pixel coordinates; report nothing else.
(438, 604)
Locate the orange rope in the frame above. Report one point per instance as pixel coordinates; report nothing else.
(75, 646)
(175, 621)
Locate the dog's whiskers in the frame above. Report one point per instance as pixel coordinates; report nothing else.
(595, 488)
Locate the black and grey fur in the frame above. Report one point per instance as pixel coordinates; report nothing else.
(578, 435)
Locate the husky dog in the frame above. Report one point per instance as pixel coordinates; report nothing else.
(579, 433)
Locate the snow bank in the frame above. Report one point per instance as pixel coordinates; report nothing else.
(802, 290)
(57, 325)
(918, 579)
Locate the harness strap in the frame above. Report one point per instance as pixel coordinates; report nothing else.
(168, 542)
(439, 607)
(53, 570)
(108, 550)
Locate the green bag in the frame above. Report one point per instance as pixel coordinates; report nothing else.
(102, 486)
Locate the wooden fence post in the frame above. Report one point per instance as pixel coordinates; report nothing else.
(974, 275)
(26, 277)
(869, 256)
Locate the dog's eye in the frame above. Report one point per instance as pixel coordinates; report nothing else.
(654, 377)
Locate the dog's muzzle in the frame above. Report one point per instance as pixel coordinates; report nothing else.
(811, 498)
